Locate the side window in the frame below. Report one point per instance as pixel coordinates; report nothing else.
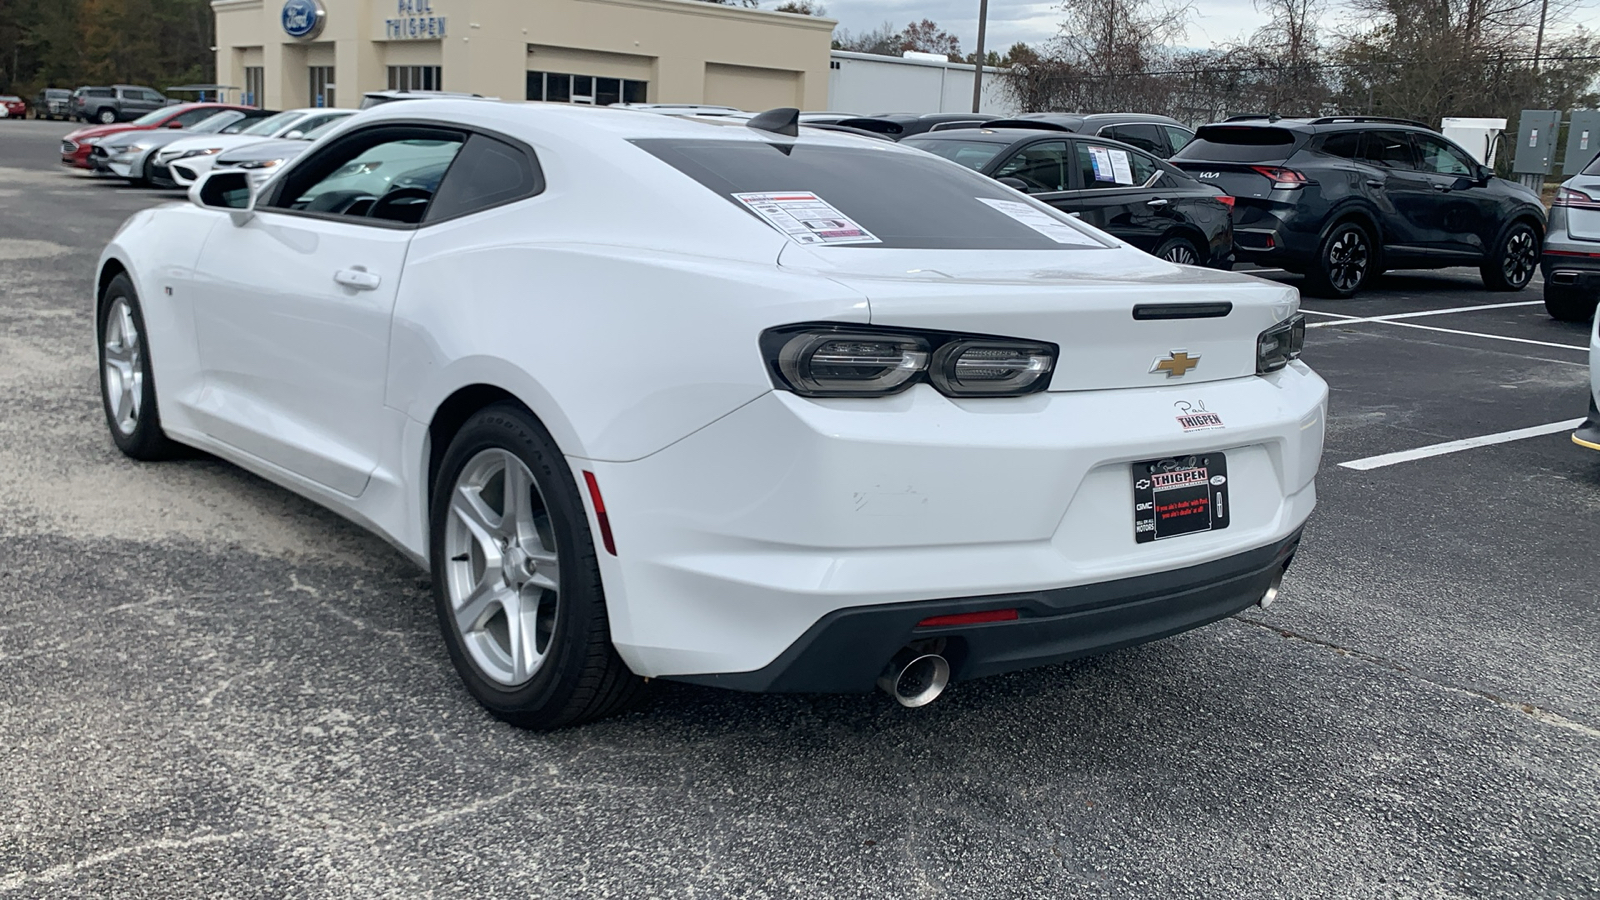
(1178, 137)
(1440, 158)
(1105, 166)
(151, 97)
(194, 117)
(488, 172)
(382, 174)
(312, 123)
(1042, 166)
(1390, 149)
(1343, 144)
(1145, 137)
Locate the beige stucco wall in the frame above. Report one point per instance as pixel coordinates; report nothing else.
(689, 51)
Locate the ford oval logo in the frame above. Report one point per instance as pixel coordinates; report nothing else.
(303, 19)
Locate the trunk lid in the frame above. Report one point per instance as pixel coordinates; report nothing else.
(1583, 219)
(1083, 300)
(1239, 158)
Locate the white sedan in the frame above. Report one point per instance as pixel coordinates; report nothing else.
(186, 160)
(1588, 434)
(735, 404)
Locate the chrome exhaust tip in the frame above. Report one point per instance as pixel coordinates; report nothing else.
(1272, 589)
(915, 678)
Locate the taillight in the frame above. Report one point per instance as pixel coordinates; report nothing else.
(1279, 344)
(1282, 179)
(1575, 199)
(1225, 200)
(822, 360)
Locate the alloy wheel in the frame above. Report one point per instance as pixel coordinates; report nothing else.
(123, 370)
(1521, 256)
(1348, 258)
(1180, 253)
(503, 569)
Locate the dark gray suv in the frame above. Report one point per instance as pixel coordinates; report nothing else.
(117, 103)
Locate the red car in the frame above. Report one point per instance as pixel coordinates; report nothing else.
(75, 146)
(14, 107)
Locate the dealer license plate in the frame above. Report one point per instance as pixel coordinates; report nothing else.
(1179, 495)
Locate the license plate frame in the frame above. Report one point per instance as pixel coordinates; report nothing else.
(1180, 495)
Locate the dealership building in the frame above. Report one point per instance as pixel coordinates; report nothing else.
(289, 53)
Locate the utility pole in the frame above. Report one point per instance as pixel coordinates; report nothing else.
(977, 71)
(1538, 42)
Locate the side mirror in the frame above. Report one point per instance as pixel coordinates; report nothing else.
(295, 135)
(1015, 184)
(227, 191)
(174, 124)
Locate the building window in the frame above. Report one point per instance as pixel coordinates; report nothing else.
(255, 86)
(416, 78)
(561, 88)
(321, 93)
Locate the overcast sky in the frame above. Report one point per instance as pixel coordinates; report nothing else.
(1214, 22)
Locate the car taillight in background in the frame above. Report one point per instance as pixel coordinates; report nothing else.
(1574, 199)
(1225, 200)
(863, 361)
(1282, 179)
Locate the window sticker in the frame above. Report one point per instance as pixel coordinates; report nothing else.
(1040, 221)
(1100, 159)
(1121, 167)
(806, 218)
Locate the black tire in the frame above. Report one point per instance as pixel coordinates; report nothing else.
(1566, 303)
(580, 677)
(107, 116)
(1345, 260)
(1178, 250)
(1513, 263)
(127, 364)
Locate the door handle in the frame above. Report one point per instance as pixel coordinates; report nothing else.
(1441, 188)
(1156, 202)
(1375, 182)
(357, 278)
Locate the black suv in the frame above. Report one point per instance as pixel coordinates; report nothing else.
(1342, 198)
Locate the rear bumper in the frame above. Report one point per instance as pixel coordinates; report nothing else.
(848, 649)
(1576, 269)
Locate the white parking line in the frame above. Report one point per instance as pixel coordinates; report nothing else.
(1492, 337)
(1430, 312)
(1318, 312)
(1389, 459)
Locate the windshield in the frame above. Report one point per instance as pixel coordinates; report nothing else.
(972, 154)
(153, 116)
(902, 200)
(272, 124)
(322, 129)
(216, 123)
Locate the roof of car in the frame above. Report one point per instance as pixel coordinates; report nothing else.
(1318, 124)
(1079, 121)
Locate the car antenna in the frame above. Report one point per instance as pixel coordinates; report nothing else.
(784, 120)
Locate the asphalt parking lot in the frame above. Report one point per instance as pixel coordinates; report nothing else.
(211, 688)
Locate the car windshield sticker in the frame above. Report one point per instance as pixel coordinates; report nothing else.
(1100, 159)
(1041, 221)
(1121, 167)
(806, 218)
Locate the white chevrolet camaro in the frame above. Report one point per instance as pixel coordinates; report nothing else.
(737, 404)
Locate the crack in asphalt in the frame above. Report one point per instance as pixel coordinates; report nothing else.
(18, 880)
(1536, 713)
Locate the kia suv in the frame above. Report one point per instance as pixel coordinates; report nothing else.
(1340, 199)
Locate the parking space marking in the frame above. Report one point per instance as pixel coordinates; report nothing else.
(1318, 312)
(1430, 312)
(1389, 459)
(1492, 337)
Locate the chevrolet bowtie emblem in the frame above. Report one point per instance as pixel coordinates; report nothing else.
(1176, 364)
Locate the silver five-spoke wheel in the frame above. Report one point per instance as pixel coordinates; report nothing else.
(123, 367)
(504, 576)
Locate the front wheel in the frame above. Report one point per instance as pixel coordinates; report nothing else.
(1511, 266)
(1178, 250)
(516, 581)
(1344, 262)
(127, 388)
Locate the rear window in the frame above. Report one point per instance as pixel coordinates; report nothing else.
(972, 154)
(906, 200)
(1239, 143)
